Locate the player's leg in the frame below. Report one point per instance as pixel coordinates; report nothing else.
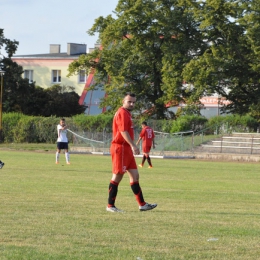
(143, 161)
(147, 151)
(112, 192)
(117, 176)
(135, 186)
(149, 161)
(144, 156)
(134, 177)
(58, 152)
(67, 155)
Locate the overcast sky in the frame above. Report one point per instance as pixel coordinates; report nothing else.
(36, 23)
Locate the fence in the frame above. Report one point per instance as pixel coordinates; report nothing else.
(99, 142)
(187, 141)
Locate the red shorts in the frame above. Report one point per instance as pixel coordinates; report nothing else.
(146, 149)
(122, 158)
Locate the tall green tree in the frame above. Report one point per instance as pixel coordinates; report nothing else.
(228, 65)
(144, 50)
(251, 21)
(167, 51)
(14, 86)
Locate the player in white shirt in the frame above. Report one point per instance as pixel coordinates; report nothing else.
(62, 141)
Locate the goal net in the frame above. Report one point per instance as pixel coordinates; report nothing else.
(99, 142)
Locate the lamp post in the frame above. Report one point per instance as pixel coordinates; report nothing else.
(2, 73)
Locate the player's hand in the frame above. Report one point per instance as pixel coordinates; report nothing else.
(135, 150)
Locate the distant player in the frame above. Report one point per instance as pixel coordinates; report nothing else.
(62, 141)
(147, 137)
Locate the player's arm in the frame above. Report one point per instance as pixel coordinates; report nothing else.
(129, 140)
(59, 129)
(138, 141)
(153, 144)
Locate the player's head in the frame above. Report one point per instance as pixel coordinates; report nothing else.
(144, 124)
(62, 121)
(129, 101)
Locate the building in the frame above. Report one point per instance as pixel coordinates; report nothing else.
(91, 98)
(211, 106)
(52, 68)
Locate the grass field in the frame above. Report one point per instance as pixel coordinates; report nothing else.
(206, 210)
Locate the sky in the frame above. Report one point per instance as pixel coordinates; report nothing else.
(36, 24)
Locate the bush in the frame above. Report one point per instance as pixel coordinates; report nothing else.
(93, 123)
(233, 123)
(188, 123)
(10, 122)
(21, 128)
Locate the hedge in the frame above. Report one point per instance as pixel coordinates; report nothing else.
(19, 128)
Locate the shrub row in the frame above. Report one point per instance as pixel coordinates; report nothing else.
(19, 128)
(231, 123)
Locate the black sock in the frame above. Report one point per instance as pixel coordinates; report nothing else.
(138, 193)
(112, 192)
(149, 160)
(143, 160)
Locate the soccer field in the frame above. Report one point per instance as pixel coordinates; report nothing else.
(206, 210)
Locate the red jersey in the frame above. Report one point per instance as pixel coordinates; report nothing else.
(147, 136)
(122, 122)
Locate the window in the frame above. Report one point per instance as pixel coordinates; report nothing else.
(56, 76)
(82, 76)
(28, 74)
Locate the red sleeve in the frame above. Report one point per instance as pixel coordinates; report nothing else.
(142, 134)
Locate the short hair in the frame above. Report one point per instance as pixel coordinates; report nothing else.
(130, 94)
(62, 119)
(144, 123)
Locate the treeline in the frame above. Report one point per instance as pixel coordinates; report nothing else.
(20, 128)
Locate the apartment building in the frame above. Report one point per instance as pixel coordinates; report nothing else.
(52, 68)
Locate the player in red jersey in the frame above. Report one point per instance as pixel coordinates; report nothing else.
(122, 151)
(147, 137)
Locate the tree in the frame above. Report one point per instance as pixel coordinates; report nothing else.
(62, 101)
(144, 51)
(10, 46)
(20, 95)
(153, 47)
(14, 85)
(228, 65)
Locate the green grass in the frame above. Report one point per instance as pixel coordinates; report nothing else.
(28, 146)
(50, 211)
